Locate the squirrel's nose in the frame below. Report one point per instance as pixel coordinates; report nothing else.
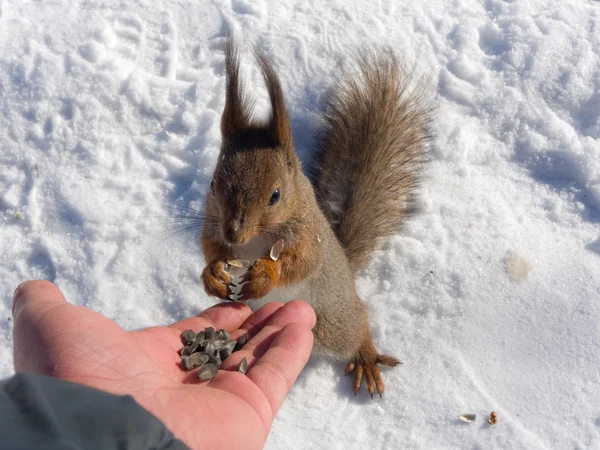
(232, 231)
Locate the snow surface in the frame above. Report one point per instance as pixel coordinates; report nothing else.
(109, 115)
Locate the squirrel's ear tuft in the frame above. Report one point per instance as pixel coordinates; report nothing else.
(279, 123)
(237, 113)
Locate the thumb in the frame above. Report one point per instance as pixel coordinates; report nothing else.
(32, 302)
(35, 298)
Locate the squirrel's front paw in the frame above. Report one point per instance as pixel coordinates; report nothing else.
(216, 279)
(260, 279)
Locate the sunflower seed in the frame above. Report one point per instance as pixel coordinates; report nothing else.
(187, 351)
(216, 343)
(207, 371)
(188, 336)
(276, 250)
(241, 341)
(209, 347)
(194, 345)
(193, 361)
(210, 333)
(216, 360)
(197, 343)
(222, 334)
(224, 353)
(241, 263)
(229, 345)
(200, 337)
(242, 365)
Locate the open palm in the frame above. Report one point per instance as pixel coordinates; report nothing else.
(232, 410)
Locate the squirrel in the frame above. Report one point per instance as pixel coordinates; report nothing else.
(369, 154)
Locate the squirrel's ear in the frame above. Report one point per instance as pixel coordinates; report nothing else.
(236, 114)
(279, 124)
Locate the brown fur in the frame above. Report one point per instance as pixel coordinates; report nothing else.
(373, 138)
(216, 279)
(370, 152)
(261, 279)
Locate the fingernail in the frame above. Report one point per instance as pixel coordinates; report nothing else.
(16, 295)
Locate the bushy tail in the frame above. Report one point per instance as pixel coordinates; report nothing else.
(370, 151)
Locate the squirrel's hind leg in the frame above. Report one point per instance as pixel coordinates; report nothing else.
(365, 363)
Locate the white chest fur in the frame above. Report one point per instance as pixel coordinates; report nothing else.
(257, 248)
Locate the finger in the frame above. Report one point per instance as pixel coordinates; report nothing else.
(258, 320)
(41, 314)
(276, 371)
(229, 316)
(32, 302)
(294, 311)
(35, 298)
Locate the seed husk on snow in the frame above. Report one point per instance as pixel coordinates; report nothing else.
(469, 418)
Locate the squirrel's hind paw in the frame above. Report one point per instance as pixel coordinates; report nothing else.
(371, 372)
(389, 361)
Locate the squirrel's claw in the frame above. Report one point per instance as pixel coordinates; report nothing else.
(372, 376)
(358, 374)
(259, 279)
(349, 368)
(369, 369)
(371, 372)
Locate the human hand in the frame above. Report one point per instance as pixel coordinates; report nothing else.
(232, 410)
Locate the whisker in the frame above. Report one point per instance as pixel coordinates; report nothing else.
(195, 232)
(184, 209)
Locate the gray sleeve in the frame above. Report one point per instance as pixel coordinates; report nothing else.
(41, 412)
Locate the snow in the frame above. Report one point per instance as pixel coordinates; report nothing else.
(109, 119)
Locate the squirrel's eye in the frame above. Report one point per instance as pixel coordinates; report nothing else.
(212, 186)
(275, 197)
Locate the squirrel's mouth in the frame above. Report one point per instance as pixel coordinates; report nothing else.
(233, 232)
(239, 236)
(236, 241)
